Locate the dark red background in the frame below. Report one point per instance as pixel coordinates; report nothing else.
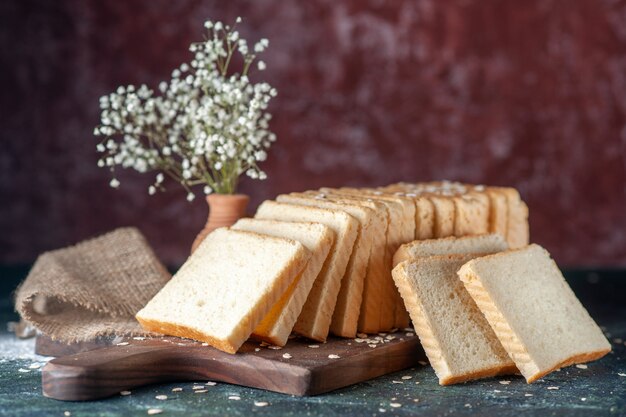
(530, 94)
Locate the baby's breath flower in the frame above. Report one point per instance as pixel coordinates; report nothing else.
(190, 196)
(207, 124)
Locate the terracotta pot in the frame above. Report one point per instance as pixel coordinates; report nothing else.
(224, 210)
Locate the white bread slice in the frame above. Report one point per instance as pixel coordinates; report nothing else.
(455, 335)
(346, 314)
(225, 288)
(316, 316)
(498, 209)
(401, 212)
(318, 239)
(488, 243)
(377, 269)
(424, 209)
(533, 311)
(517, 221)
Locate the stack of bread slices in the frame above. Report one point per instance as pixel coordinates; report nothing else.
(320, 262)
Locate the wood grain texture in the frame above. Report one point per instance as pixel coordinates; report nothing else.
(106, 371)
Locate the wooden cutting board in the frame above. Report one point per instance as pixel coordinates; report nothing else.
(298, 368)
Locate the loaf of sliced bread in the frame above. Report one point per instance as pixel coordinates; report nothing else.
(533, 311)
(225, 288)
(316, 316)
(517, 217)
(484, 244)
(346, 314)
(377, 270)
(455, 335)
(401, 213)
(318, 239)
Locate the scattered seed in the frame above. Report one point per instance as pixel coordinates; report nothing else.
(257, 349)
(553, 388)
(234, 397)
(177, 389)
(359, 340)
(417, 382)
(408, 329)
(397, 382)
(125, 393)
(195, 387)
(287, 356)
(621, 374)
(583, 399)
(405, 377)
(67, 413)
(139, 338)
(200, 391)
(123, 344)
(205, 344)
(34, 366)
(161, 397)
(154, 411)
(382, 410)
(395, 405)
(423, 363)
(581, 366)
(333, 356)
(496, 390)
(23, 370)
(275, 347)
(409, 334)
(382, 334)
(468, 405)
(211, 383)
(390, 337)
(261, 403)
(361, 335)
(372, 346)
(314, 346)
(528, 395)
(505, 382)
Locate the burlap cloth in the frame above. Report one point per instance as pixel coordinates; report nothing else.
(92, 289)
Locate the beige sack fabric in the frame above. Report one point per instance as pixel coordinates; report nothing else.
(93, 288)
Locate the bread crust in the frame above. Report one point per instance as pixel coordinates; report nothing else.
(186, 332)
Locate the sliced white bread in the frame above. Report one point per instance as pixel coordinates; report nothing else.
(517, 217)
(318, 239)
(401, 223)
(533, 311)
(498, 209)
(377, 269)
(316, 316)
(455, 335)
(346, 314)
(486, 244)
(225, 288)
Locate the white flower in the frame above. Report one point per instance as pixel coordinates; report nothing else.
(207, 190)
(114, 183)
(199, 124)
(190, 196)
(238, 20)
(208, 24)
(151, 190)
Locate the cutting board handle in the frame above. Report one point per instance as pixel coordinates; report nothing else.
(107, 371)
